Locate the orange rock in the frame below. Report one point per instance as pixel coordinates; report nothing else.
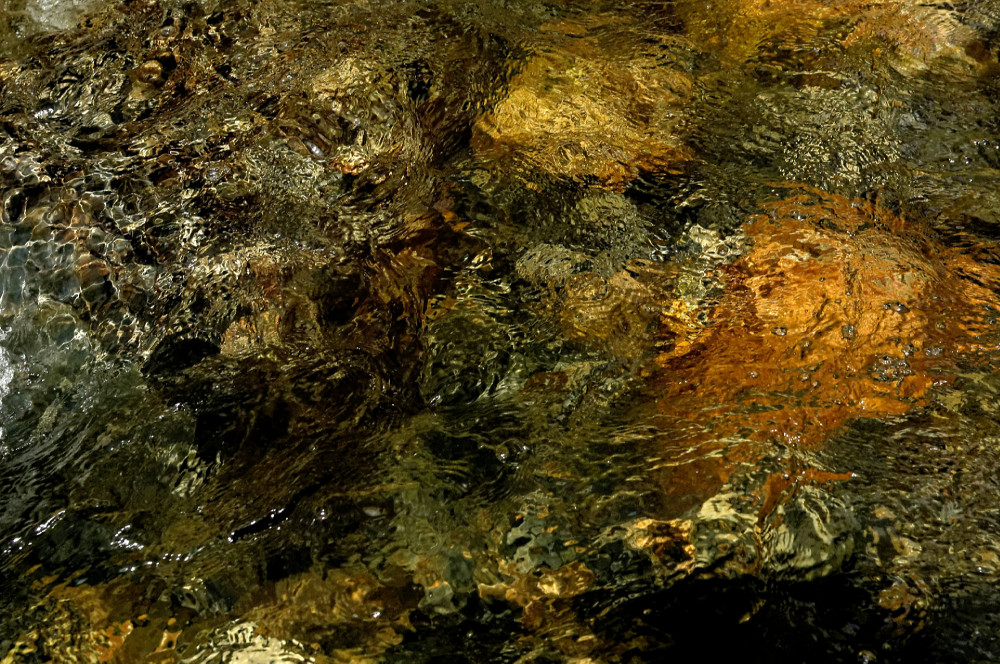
(838, 309)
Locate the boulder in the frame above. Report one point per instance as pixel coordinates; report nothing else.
(597, 101)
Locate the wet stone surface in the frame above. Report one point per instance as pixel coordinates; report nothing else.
(498, 332)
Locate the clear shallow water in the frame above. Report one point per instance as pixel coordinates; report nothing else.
(497, 333)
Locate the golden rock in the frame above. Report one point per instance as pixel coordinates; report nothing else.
(595, 102)
(906, 34)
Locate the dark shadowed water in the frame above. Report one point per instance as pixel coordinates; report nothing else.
(488, 331)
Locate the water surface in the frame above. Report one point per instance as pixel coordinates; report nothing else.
(499, 332)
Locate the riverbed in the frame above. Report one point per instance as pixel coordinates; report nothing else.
(487, 331)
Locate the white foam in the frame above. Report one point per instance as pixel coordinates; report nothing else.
(6, 378)
(57, 14)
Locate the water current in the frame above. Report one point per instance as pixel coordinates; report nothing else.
(499, 331)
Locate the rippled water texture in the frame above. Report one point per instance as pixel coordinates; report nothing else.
(486, 331)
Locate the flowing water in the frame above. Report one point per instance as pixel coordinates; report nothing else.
(489, 331)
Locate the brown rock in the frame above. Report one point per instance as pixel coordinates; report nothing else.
(916, 35)
(547, 614)
(348, 602)
(83, 623)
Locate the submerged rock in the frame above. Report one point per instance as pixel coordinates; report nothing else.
(838, 309)
(908, 36)
(598, 100)
(619, 312)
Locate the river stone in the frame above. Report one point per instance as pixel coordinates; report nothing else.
(598, 101)
(810, 536)
(909, 36)
(837, 309)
